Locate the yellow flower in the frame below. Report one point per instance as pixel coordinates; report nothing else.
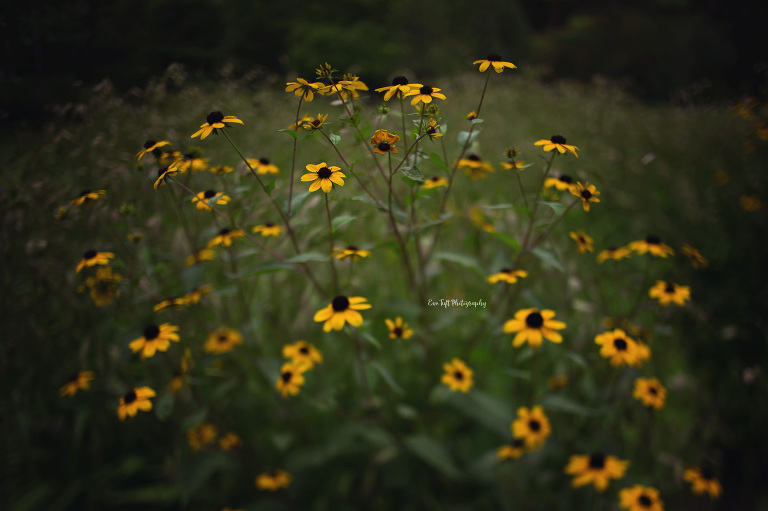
(432, 128)
(165, 172)
(268, 229)
(214, 121)
(666, 292)
(222, 340)
(305, 89)
(615, 253)
(340, 311)
(585, 242)
(750, 203)
(425, 94)
(273, 481)
(205, 254)
(562, 183)
(532, 426)
(263, 166)
(434, 182)
(457, 375)
(513, 164)
(103, 286)
(78, 381)
(698, 261)
(650, 392)
(202, 199)
(291, 378)
(398, 329)
(384, 142)
(507, 275)
(351, 252)
(93, 258)
(169, 303)
(179, 377)
(653, 245)
(220, 170)
(201, 436)
(135, 400)
(225, 237)
(495, 61)
(155, 338)
(557, 142)
(475, 167)
(532, 326)
(150, 146)
(512, 451)
(230, 441)
(323, 177)
(640, 498)
(86, 197)
(586, 192)
(400, 86)
(595, 468)
(618, 347)
(703, 481)
(303, 353)
(311, 123)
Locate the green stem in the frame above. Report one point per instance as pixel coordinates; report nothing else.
(330, 252)
(293, 158)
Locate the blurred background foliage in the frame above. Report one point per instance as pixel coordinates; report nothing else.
(660, 49)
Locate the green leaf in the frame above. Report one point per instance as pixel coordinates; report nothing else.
(438, 160)
(509, 240)
(333, 137)
(370, 340)
(577, 359)
(466, 139)
(387, 377)
(563, 404)
(353, 120)
(549, 258)
(341, 220)
(363, 198)
(462, 259)
(557, 207)
(164, 406)
(485, 408)
(434, 454)
(412, 173)
(517, 373)
(269, 186)
(476, 121)
(294, 134)
(268, 267)
(308, 257)
(296, 203)
(431, 223)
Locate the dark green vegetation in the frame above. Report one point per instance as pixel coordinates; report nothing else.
(655, 169)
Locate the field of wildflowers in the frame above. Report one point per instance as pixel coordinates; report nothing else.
(471, 293)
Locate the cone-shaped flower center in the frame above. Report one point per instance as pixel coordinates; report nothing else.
(269, 224)
(653, 390)
(224, 232)
(557, 139)
(324, 173)
(596, 461)
(84, 193)
(222, 338)
(352, 247)
(505, 270)
(151, 332)
(264, 161)
(586, 194)
(90, 254)
(534, 320)
(340, 303)
(398, 331)
(399, 80)
(566, 179)
(161, 171)
(304, 350)
(707, 473)
(669, 288)
(473, 157)
(458, 375)
(620, 344)
(214, 117)
(130, 397)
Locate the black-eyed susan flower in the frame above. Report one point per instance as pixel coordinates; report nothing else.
(303, 353)
(557, 382)
(304, 89)
(342, 310)
(193, 162)
(79, 381)
(346, 87)
(201, 436)
(562, 183)
(155, 338)
(532, 326)
(586, 192)
(180, 376)
(150, 146)
(273, 481)
(102, 286)
(220, 170)
(640, 498)
(215, 121)
(351, 252)
(169, 156)
(618, 347)
(434, 182)
(135, 400)
(513, 165)
(87, 197)
(433, 129)
(698, 261)
(268, 229)
(314, 123)
(478, 218)
(585, 242)
(323, 176)
(169, 303)
(532, 426)
(263, 166)
(650, 392)
(651, 244)
(471, 116)
(425, 94)
(666, 292)
(291, 378)
(225, 237)
(615, 253)
(197, 294)
(384, 142)
(400, 86)
(642, 353)
(507, 275)
(557, 142)
(702, 481)
(493, 60)
(457, 375)
(93, 257)
(202, 199)
(230, 441)
(398, 329)
(750, 203)
(222, 340)
(198, 257)
(596, 468)
(164, 173)
(512, 451)
(475, 167)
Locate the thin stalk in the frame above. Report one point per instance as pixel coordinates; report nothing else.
(293, 158)
(330, 252)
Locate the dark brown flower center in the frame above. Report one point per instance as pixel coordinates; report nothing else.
(316, 123)
(90, 254)
(534, 320)
(494, 57)
(383, 147)
(269, 224)
(620, 344)
(612, 248)
(427, 90)
(286, 376)
(161, 171)
(84, 193)
(130, 397)
(214, 117)
(652, 239)
(151, 332)
(352, 248)
(340, 303)
(473, 157)
(653, 390)
(304, 350)
(586, 194)
(566, 179)
(669, 288)
(434, 179)
(707, 472)
(264, 161)
(222, 338)
(324, 173)
(224, 232)
(534, 425)
(505, 270)
(74, 378)
(398, 331)
(399, 80)
(557, 139)
(149, 143)
(458, 375)
(596, 461)
(517, 443)
(209, 193)
(644, 501)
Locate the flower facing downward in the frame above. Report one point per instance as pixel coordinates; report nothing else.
(384, 142)
(202, 199)
(150, 146)
(424, 94)
(198, 257)
(273, 481)
(351, 252)
(323, 177)
(291, 378)
(303, 353)
(532, 426)
(78, 381)
(615, 253)
(214, 121)
(398, 329)
(457, 375)
(155, 338)
(512, 451)
(223, 340)
(340, 311)
(562, 183)
(618, 347)
(400, 86)
(434, 182)
(302, 88)
(640, 498)
(268, 229)
(432, 129)
(507, 275)
(650, 392)
(698, 261)
(475, 167)
(533, 325)
(87, 197)
(263, 166)
(135, 400)
(585, 242)
(595, 468)
(93, 258)
(703, 481)
(557, 142)
(495, 61)
(102, 286)
(586, 192)
(666, 292)
(651, 244)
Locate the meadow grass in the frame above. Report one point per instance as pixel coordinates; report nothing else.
(373, 427)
